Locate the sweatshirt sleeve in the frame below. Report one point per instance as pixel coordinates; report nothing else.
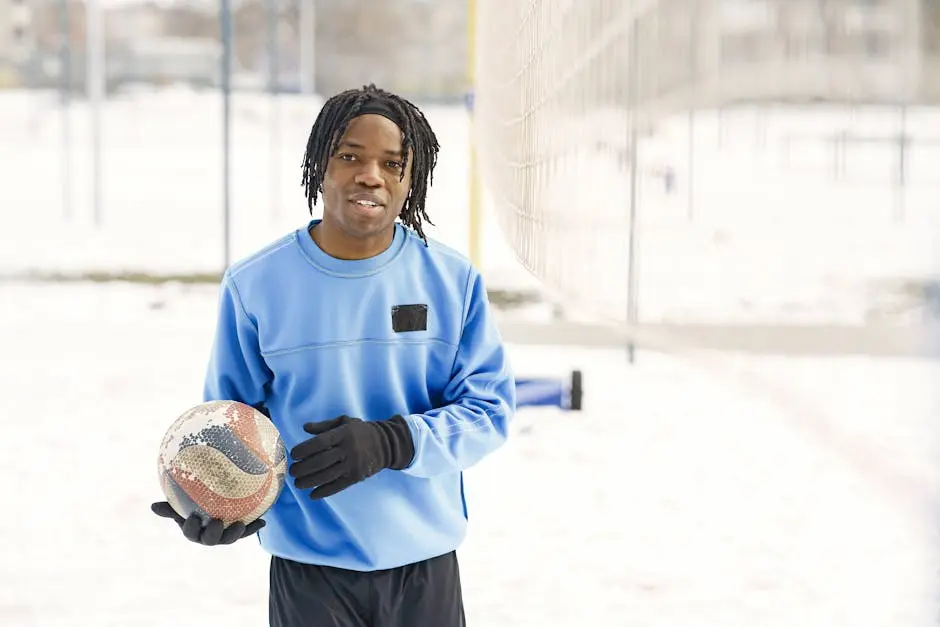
(479, 400)
(236, 370)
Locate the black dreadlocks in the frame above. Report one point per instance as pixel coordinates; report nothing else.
(417, 137)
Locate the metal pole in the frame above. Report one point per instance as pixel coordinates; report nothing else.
(274, 72)
(901, 178)
(271, 44)
(722, 123)
(474, 205)
(308, 46)
(632, 283)
(94, 86)
(690, 199)
(65, 91)
(693, 75)
(225, 18)
(913, 29)
(22, 53)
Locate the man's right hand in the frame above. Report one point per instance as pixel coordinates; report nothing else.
(210, 534)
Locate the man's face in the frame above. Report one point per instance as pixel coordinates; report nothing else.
(363, 191)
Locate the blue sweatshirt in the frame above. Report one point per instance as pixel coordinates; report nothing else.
(312, 337)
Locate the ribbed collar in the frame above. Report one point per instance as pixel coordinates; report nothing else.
(349, 267)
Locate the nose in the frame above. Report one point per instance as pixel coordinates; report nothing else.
(369, 175)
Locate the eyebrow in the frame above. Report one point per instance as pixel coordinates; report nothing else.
(358, 146)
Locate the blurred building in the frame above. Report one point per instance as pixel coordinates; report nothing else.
(415, 47)
(725, 50)
(6, 35)
(862, 50)
(15, 39)
(163, 61)
(718, 52)
(6, 29)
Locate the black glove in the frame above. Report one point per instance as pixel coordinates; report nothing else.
(348, 450)
(210, 534)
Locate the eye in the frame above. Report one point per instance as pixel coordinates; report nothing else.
(393, 164)
(347, 157)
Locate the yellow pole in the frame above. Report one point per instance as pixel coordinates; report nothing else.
(474, 182)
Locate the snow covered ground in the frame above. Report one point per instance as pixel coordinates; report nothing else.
(725, 491)
(774, 237)
(697, 489)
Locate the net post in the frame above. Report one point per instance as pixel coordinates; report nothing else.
(473, 226)
(226, 28)
(65, 102)
(308, 46)
(632, 283)
(693, 74)
(900, 178)
(95, 87)
(272, 19)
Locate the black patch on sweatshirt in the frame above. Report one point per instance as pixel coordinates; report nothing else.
(407, 318)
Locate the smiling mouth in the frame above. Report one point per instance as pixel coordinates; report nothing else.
(366, 203)
(366, 209)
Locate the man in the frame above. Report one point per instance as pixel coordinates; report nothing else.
(374, 352)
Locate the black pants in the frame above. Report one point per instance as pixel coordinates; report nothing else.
(425, 594)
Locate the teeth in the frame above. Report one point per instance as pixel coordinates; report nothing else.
(366, 203)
